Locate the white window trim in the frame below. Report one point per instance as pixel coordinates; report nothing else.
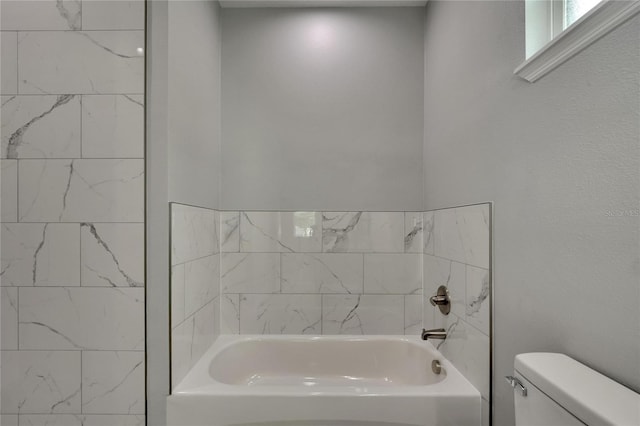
(596, 23)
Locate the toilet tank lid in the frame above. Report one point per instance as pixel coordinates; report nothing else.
(590, 396)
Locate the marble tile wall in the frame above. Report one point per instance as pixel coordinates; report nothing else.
(72, 234)
(321, 272)
(195, 285)
(457, 254)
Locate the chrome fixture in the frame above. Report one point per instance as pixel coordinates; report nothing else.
(436, 333)
(442, 300)
(436, 367)
(515, 383)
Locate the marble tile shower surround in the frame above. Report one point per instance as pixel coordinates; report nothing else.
(72, 233)
(457, 254)
(321, 272)
(195, 285)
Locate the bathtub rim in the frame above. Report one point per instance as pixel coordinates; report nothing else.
(198, 381)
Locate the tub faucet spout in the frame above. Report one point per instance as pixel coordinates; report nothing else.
(436, 333)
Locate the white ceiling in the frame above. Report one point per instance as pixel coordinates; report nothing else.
(321, 3)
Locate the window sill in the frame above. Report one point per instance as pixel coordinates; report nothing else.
(595, 24)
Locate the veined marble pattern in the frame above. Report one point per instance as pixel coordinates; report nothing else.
(9, 182)
(113, 126)
(191, 338)
(392, 274)
(362, 314)
(41, 126)
(250, 272)
(367, 232)
(230, 232)
(195, 285)
(42, 15)
(9, 318)
(427, 232)
(437, 272)
(280, 232)
(113, 382)
(230, 314)
(113, 15)
(280, 314)
(462, 234)
(9, 62)
(36, 254)
(322, 273)
(468, 349)
(72, 62)
(459, 258)
(194, 233)
(40, 382)
(111, 254)
(477, 303)
(72, 149)
(78, 420)
(413, 232)
(201, 283)
(81, 318)
(81, 191)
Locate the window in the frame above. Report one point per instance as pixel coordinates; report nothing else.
(558, 29)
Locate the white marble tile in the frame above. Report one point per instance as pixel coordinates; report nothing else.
(362, 314)
(41, 382)
(41, 126)
(413, 231)
(230, 232)
(468, 350)
(280, 232)
(478, 296)
(177, 295)
(191, 339)
(9, 183)
(193, 233)
(486, 413)
(8, 62)
(462, 234)
(250, 272)
(59, 62)
(9, 318)
(9, 420)
(50, 420)
(437, 272)
(428, 311)
(413, 314)
(112, 254)
(363, 232)
(113, 420)
(41, 15)
(280, 314)
(113, 126)
(113, 382)
(230, 314)
(81, 318)
(81, 190)
(113, 15)
(201, 282)
(40, 254)
(427, 232)
(181, 350)
(393, 273)
(322, 273)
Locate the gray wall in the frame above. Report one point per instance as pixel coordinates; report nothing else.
(322, 109)
(555, 156)
(194, 102)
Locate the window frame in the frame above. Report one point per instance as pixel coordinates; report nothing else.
(543, 17)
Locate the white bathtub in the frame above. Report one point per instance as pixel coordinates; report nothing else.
(322, 381)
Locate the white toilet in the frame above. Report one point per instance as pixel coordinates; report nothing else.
(554, 390)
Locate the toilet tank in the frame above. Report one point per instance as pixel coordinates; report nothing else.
(560, 391)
